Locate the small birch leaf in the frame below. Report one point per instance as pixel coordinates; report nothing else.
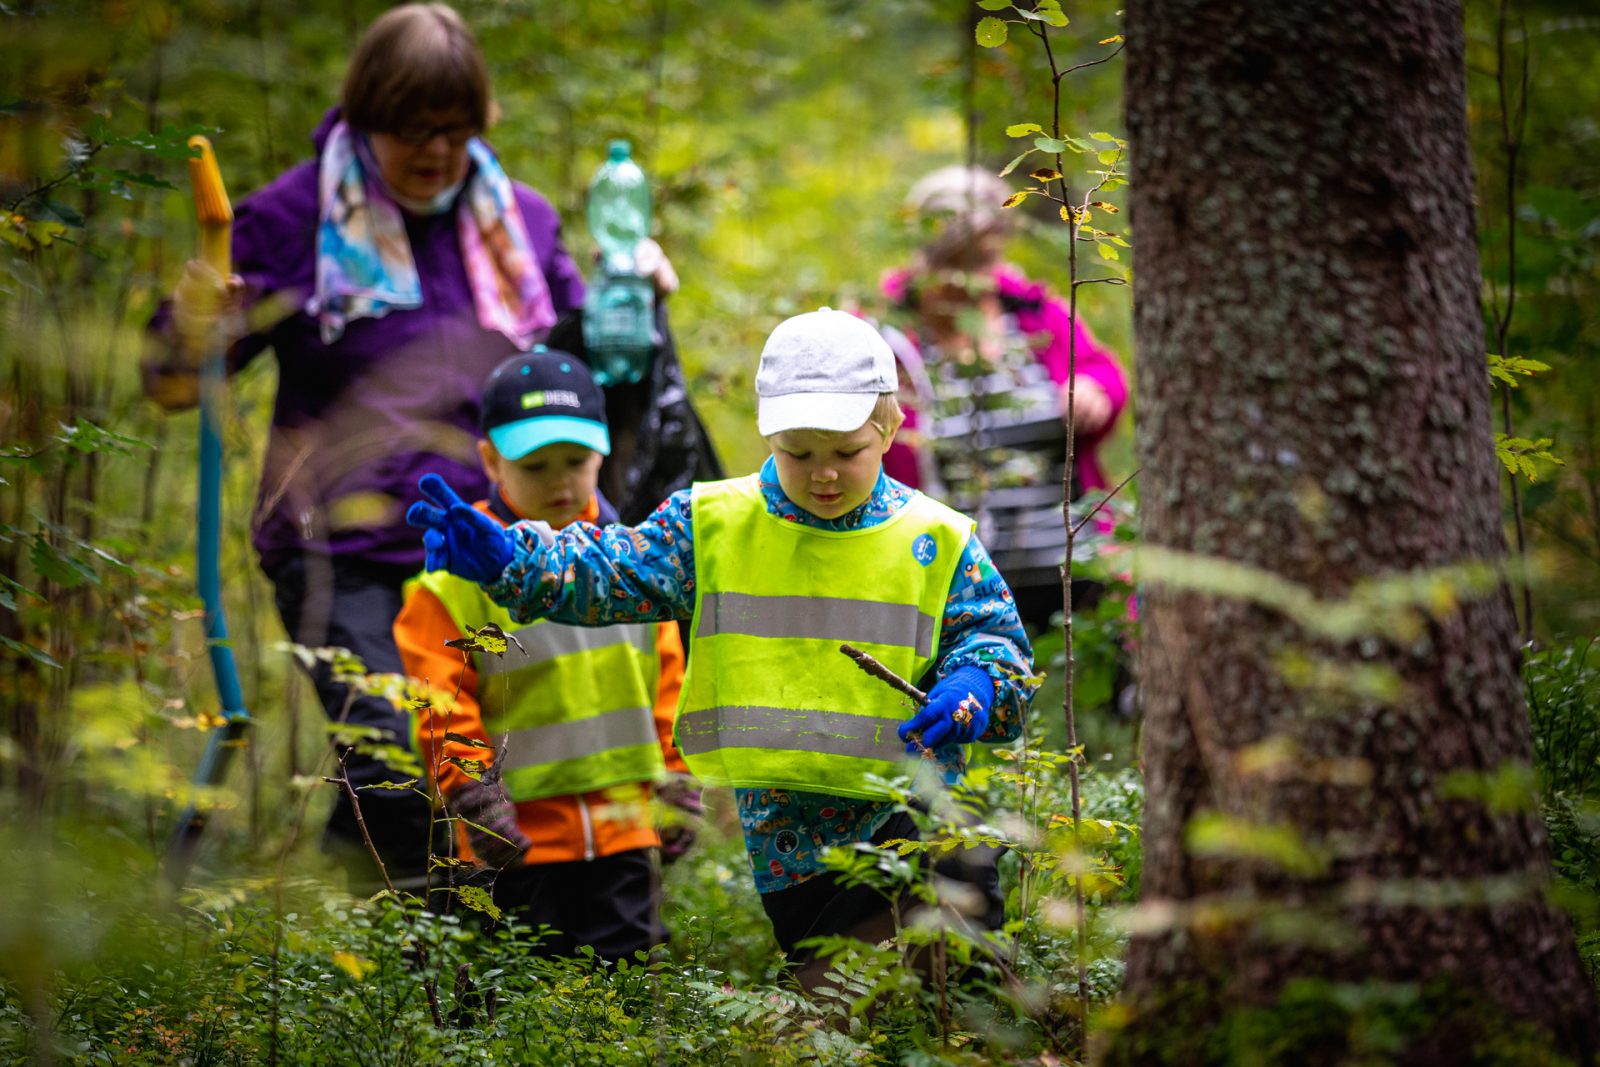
(991, 32)
(1013, 164)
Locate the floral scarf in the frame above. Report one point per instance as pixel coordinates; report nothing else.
(364, 264)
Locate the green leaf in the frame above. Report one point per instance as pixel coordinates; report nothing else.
(85, 436)
(463, 739)
(1013, 164)
(1509, 368)
(1049, 144)
(407, 784)
(1049, 11)
(1511, 787)
(484, 830)
(472, 768)
(1108, 156)
(58, 567)
(149, 181)
(1517, 455)
(348, 733)
(478, 899)
(172, 142)
(1022, 129)
(991, 32)
(488, 638)
(994, 5)
(1280, 844)
(38, 655)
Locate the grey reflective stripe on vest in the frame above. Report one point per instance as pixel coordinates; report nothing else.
(827, 618)
(537, 745)
(829, 733)
(547, 641)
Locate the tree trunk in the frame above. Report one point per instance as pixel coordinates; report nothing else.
(1323, 876)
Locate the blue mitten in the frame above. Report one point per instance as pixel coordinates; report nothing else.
(459, 538)
(957, 711)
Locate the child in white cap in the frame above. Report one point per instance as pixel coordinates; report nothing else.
(776, 570)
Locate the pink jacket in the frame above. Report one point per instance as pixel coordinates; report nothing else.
(1041, 314)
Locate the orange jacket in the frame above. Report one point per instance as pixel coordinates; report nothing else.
(581, 826)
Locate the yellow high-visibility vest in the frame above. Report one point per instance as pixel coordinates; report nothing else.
(769, 701)
(576, 712)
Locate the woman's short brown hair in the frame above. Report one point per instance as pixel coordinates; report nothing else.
(414, 59)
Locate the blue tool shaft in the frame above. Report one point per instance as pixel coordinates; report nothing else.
(208, 565)
(208, 555)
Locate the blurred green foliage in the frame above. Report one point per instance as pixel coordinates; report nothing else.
(1555, 211)
(780, 137)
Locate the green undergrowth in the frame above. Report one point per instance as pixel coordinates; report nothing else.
(105, 966)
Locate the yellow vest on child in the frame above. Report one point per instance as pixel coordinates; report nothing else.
(769, 701)
(576, 711)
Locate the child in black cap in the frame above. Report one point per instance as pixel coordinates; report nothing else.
(580, 720)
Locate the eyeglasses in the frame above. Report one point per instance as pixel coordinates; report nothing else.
(457, 134)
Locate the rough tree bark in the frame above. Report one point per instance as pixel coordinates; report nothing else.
(1314, 403)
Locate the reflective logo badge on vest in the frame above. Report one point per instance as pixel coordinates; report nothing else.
(924, 549)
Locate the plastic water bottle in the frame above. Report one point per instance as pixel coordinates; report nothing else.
(619, 312)
(619, 208)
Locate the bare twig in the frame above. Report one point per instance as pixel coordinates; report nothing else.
(73, 170)
(343, 782)
(1075, 223)
(1104, 501)
(1090, 63)
(1511, 133)
(419, 954)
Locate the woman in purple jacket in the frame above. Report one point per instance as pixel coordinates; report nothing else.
(403, 265)
(984, 369)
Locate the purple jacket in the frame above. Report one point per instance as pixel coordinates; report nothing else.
(357, 422)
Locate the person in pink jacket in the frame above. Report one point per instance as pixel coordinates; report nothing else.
(984, 358)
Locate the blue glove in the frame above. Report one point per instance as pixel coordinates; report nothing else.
(459, 538)
(957, 711)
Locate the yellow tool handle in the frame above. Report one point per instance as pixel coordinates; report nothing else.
(211, 208)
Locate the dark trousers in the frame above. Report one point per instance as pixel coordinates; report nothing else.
(330, 602)
(821, 906)
(612, 904)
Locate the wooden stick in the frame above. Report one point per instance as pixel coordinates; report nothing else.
(884, 674)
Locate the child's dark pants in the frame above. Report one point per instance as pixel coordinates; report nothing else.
(821, 906)
(610, 903)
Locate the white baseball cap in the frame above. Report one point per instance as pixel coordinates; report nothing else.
(823, 370)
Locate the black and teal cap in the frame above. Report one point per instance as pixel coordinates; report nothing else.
(541, 398)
